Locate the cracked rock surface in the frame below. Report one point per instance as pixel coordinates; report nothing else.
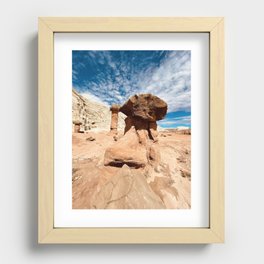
(128, 189)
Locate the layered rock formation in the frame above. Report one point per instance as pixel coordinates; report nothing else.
(88, 115)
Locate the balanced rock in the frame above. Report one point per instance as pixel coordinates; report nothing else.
(142, 112)
(146, 106)
(137, 147)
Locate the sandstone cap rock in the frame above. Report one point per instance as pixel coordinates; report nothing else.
(146, 106)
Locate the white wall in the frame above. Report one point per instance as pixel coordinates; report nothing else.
(244, 132)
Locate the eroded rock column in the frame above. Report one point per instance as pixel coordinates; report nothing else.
(77, 126)
(142, 112)
(138, 147)
(114, 118)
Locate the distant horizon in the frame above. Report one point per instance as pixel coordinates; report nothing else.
(111, 77)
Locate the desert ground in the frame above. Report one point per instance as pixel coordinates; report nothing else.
(167, 185)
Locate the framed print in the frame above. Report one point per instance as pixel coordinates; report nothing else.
(131, 130)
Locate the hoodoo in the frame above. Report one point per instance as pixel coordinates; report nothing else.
(137, 147)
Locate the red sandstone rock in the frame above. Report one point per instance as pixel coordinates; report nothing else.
(128, 151)
(114, 118)
(127, 190)
(146, 106)
(136, 147)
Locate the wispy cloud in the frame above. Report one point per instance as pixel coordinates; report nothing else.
(114, 76)
(172, 81)
(175, 122)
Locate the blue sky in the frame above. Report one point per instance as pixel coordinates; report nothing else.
(113, 76)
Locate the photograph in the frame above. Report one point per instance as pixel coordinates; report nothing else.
(131, 129)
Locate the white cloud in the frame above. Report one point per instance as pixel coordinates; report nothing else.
(175, 121)
(171, 80)
(93, 98)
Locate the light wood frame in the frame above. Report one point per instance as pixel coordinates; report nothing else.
(47, 233)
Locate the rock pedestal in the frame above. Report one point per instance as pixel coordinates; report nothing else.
(114, 118)
(126, 150)
(138, 147)
(143, 111)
